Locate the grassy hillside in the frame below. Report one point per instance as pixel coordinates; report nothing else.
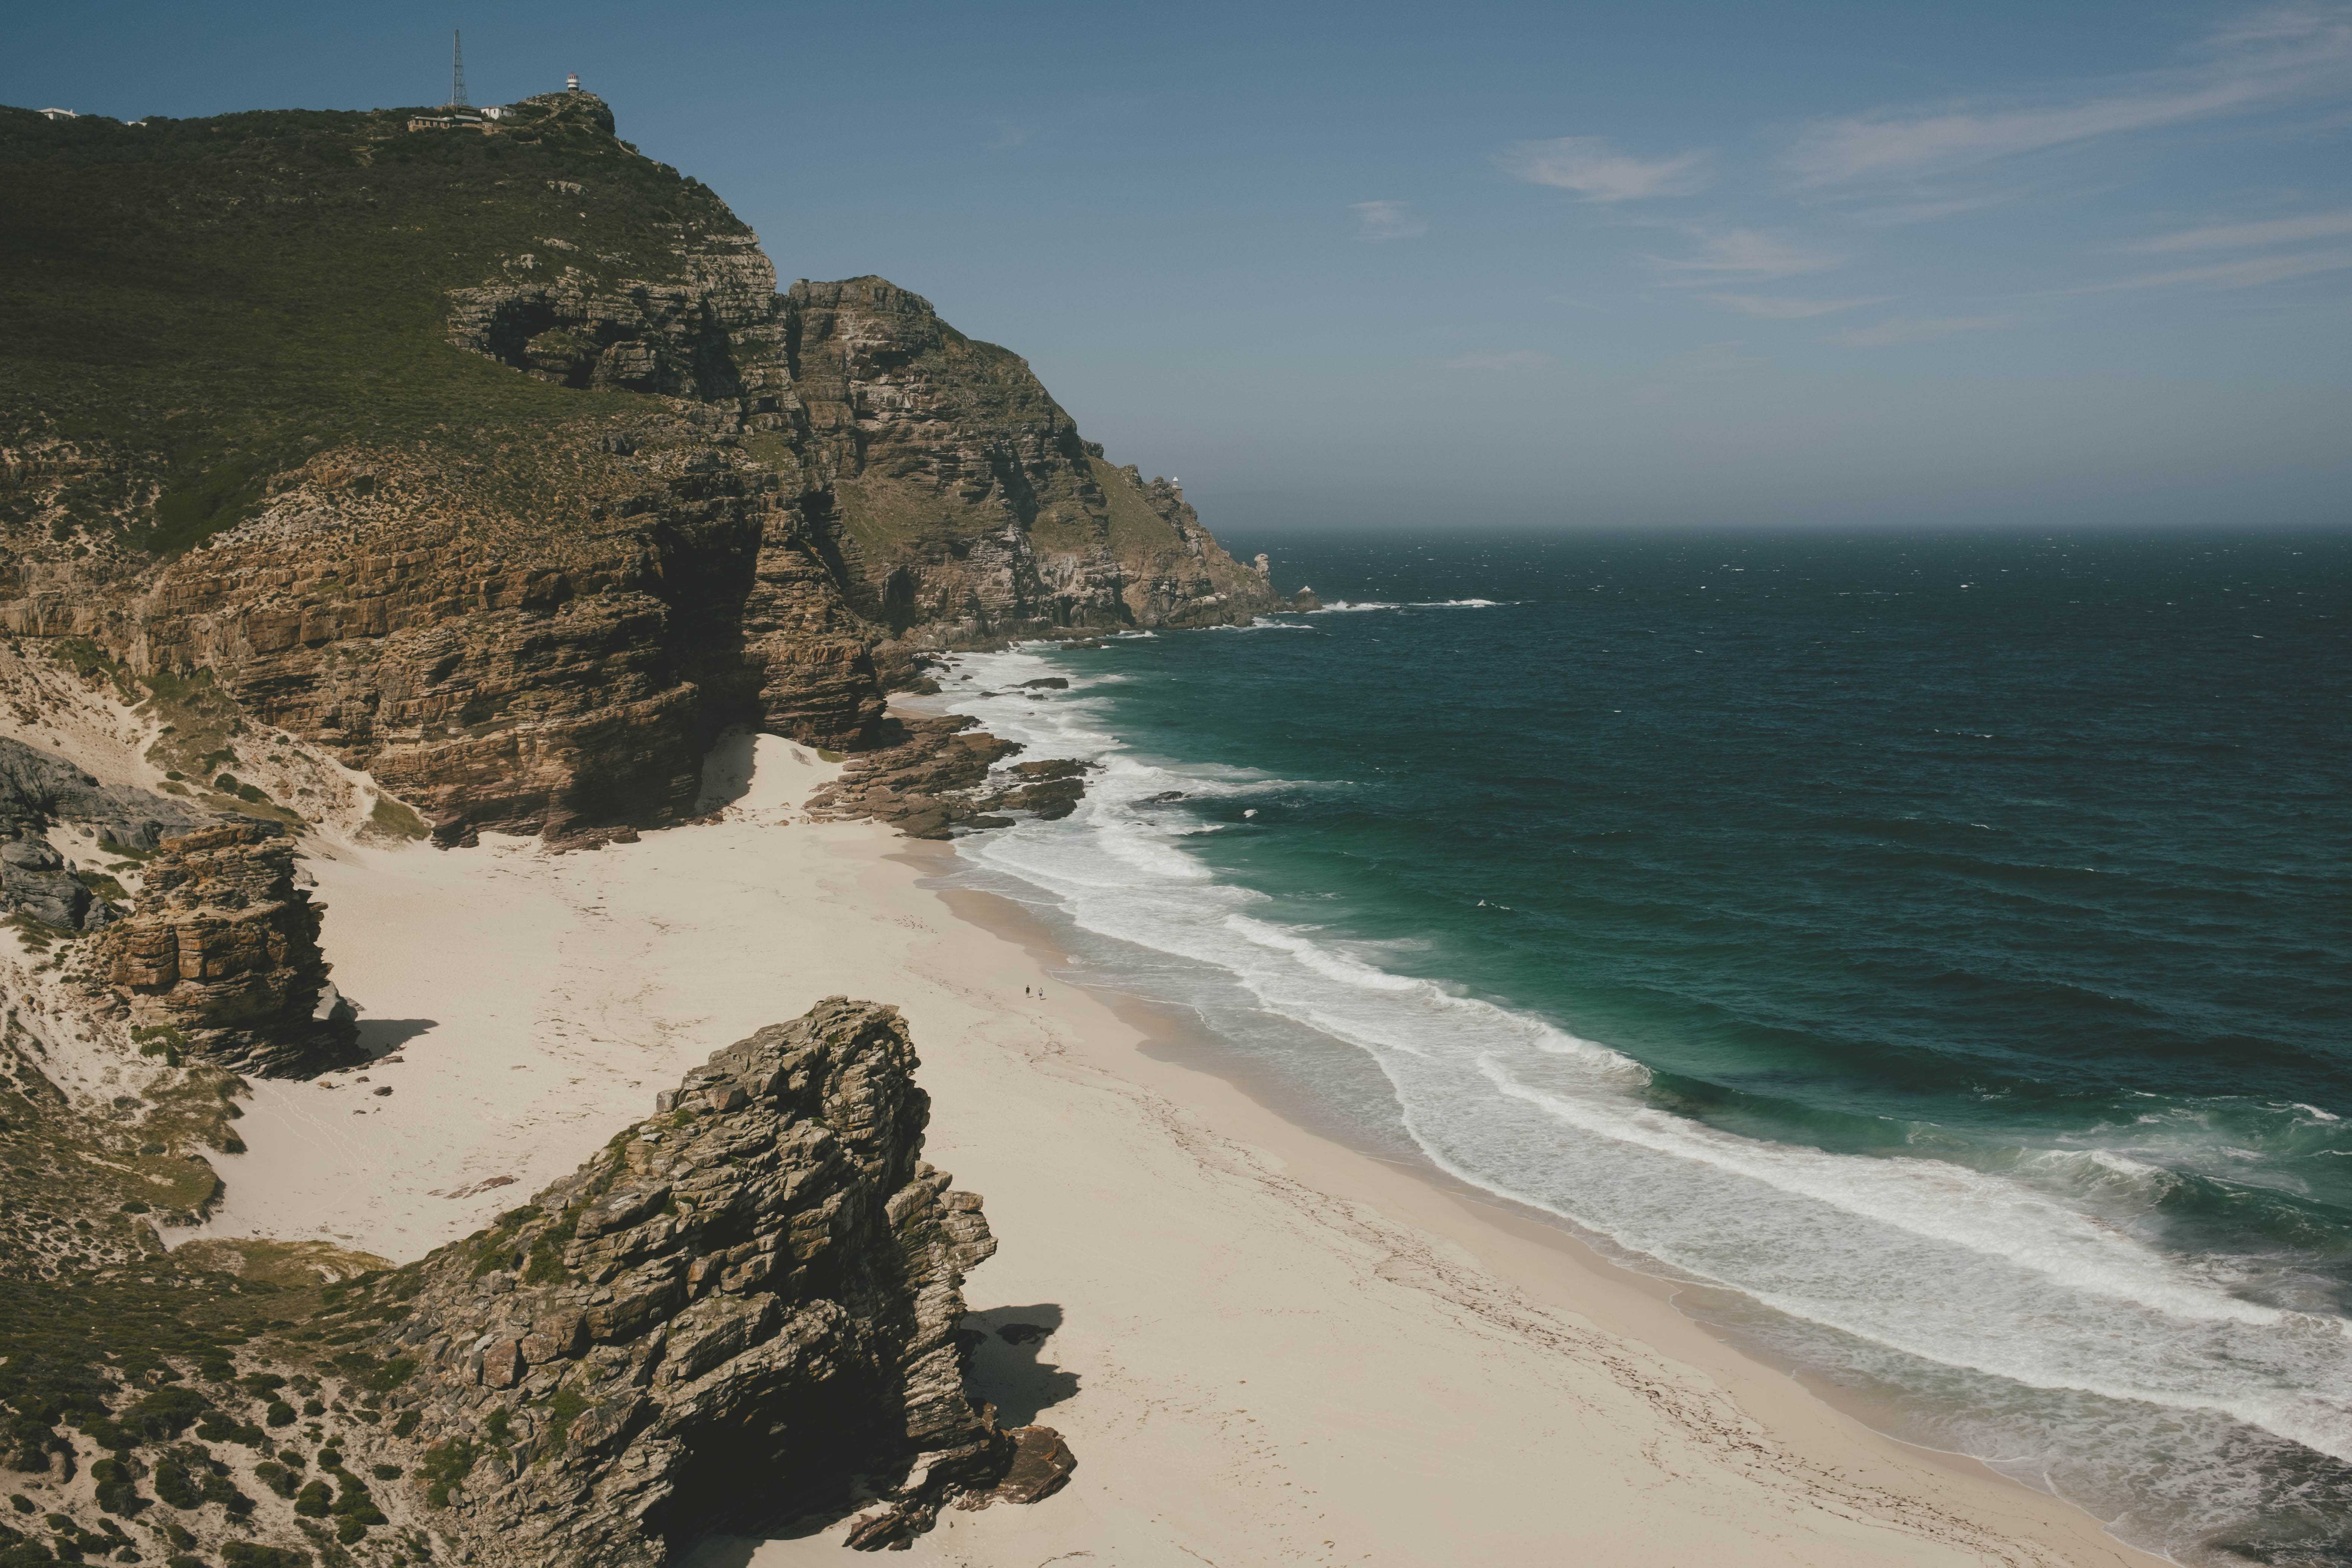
(209, 301)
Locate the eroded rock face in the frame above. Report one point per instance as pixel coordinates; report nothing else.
(747, 1300)
(221, 957)
(966, 506)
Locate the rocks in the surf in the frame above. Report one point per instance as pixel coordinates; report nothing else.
(1046, 683)
(1305, 601)
(940, 776)
(744, 1307)
(1049, 788)
(221, 957)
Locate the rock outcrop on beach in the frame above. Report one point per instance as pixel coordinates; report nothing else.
(940, 774)
(744, 1308)
(220, 957)
(556, 486)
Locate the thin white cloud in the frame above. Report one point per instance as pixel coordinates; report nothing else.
(1742, 255)
(2251, 272)
(1769, 310)
(1898, 214)
(2267, 58)
(1593, 168)
(1510, 359)
(1918, 330)
(2247, 235)
(1386, 220)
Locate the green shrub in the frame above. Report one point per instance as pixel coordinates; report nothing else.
(217, 1488)
(443, 1465)
(314, 1501)
(165, 1414)
(175, 1486)
(248, 1554)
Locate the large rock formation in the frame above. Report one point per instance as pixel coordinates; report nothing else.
(558, 486)
(967, 506)
(221, 957)
(747, 1301)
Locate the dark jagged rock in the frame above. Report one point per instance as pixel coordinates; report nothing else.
(940, 774)
(37, 789)
(745, 1303)
(35, 881)
(221, 957)
(1042, 1463)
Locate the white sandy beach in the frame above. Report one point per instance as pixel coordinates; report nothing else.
(1263, 1348)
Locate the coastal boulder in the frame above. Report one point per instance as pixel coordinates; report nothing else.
(742, 1310)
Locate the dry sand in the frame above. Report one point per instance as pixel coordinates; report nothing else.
(1262, 1346)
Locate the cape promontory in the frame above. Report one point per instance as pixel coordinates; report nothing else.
(490, 456)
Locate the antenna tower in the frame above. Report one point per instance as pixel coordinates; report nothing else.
(457, 71)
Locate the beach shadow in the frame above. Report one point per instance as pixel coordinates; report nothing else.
(382, 1037)
(726, 768)
(1009, 1368)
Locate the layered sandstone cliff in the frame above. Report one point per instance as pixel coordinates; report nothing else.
(220, 957)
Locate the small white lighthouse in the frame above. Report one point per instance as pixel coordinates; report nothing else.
(571, 82)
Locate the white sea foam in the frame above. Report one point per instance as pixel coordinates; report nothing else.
(1346, 607)
(2023, 1275)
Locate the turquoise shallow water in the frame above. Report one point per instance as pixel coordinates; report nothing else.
(1938, 949)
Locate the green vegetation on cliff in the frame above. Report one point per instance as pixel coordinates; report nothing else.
(212, 301)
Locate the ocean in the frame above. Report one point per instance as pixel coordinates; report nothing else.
(1933, 953)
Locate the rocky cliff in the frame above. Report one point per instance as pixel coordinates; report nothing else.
(513, 478)
(747, 1301)
(220, 958)
(966, 506)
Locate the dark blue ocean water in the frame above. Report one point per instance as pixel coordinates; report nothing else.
(1937, 951)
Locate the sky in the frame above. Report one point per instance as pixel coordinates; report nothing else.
(1686, 265)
